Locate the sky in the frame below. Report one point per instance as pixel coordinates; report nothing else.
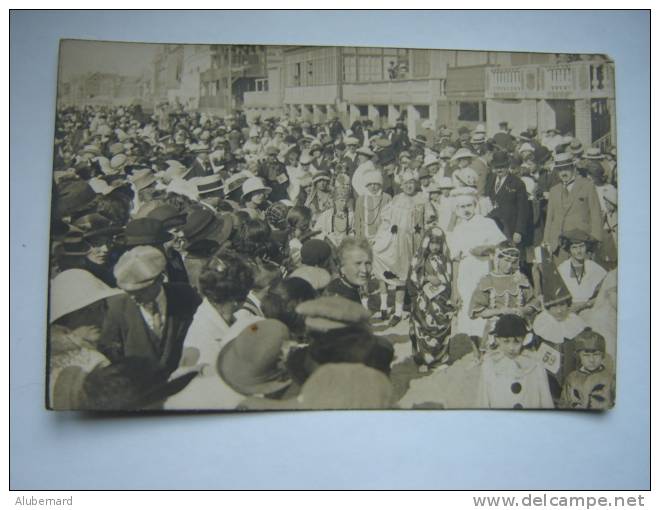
(128, 59)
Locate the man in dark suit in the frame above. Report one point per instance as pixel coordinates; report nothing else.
(509, 197)
(274, 174)
(152, 318)
(201, 167)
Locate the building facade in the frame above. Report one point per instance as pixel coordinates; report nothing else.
(267, 100)
(234, 70)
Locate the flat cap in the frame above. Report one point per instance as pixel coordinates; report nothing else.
(139, 267)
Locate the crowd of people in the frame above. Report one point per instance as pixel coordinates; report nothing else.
(208, 262)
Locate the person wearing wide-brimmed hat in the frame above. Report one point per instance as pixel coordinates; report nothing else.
(73, 199)
(249, 364)
(204, 233)
(254, 197)
(76, 252)
(77, 309)
(581, 275)
(572, 204)
(151, 232)
(150, 320)
(503, 138)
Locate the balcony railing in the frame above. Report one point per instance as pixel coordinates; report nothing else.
(577, 80)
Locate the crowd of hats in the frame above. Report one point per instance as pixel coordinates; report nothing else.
(126, 212)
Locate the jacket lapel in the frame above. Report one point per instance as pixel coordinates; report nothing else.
(575, 191)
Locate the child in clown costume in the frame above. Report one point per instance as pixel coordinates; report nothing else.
(512, 377)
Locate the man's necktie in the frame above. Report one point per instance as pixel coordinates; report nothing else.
(156, 317)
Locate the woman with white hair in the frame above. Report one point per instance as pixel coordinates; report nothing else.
(469, 244)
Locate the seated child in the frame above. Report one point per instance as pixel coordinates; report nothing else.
(591, 386)
(555, 329)
(511, 376)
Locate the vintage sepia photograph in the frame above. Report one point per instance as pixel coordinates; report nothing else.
(249, 227)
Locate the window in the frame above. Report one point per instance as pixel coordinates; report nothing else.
(423, 110)
(468, 111)
(363, 109)
(310, 68)
(262, 85)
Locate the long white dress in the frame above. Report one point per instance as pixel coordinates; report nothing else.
(477, 231)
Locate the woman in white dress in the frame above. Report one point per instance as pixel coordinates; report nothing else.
(224, 283)
(468, 243)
